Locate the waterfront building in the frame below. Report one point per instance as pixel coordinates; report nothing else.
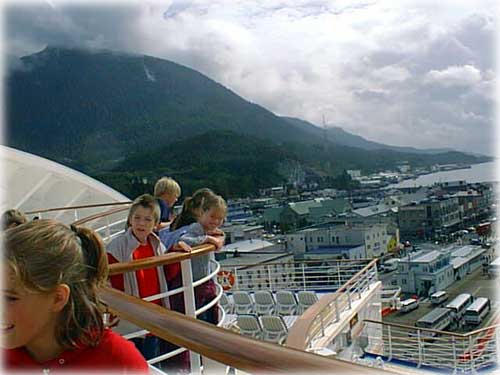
(372, 238)
(425, 272)
(429, 218)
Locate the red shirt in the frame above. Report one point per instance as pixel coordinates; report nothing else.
(112, 353)
(147, 279)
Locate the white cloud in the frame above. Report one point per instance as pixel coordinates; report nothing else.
(382, 69)
(461, 76)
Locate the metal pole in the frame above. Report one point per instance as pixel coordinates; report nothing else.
(390, 341)
(108, 230)
(236, 282)
(270, 278)
(471, 355)
(338, 272)
(337, 313)
(190, 308)
(454, 353)
(304, 276)
(419, 343)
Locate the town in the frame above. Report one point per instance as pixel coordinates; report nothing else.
(430, 240)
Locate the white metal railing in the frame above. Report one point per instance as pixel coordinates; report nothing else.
(75, 213)
(438, 349)
(328, 311)
(113, 225)
(326, 275)
(189, 307)
(351, 292)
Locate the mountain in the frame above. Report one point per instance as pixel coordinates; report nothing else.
(128, 118)
(103, 105)
(339, 136)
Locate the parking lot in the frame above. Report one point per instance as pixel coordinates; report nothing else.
(475, 283)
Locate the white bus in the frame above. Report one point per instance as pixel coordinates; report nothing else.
(438, 319)
(475, 313)
(408, 305)
(439, 297)
(459, 304)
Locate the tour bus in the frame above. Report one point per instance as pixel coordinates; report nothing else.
(459, 304)
(475, 313)
(439, 297)
(438, 319)
(408, 305)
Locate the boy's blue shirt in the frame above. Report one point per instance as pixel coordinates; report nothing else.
(164, 210)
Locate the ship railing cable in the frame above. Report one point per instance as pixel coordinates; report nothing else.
(467, 352)
(327, 275)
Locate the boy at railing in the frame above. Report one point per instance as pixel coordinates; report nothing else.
(140, 242)
(166, 191)
(52, 317)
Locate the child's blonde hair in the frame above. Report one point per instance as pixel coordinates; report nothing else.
(12, 218)
(167, 185)
(214, 202)
(43, 254)
(189, 208)
(146, 201)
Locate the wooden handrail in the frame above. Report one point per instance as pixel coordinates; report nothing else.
(76, 207)
(297, 337)
(100, 215)
(160, 260)
(413, 328)
(222, 345)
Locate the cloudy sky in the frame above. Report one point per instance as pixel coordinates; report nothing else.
(414, 73)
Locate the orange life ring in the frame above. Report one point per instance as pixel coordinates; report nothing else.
(225, 279)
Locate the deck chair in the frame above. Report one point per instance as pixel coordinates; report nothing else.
(285, 303)
(225, 304)
(264, 302)
(306, 299)
(273, 328)
(243, 303)
(249, 325)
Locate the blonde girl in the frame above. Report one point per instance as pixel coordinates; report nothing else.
(52, 318)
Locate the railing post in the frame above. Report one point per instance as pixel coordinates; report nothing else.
(236, 285)
(454, 346)
(471, 355)
(270, 278)
(349, 298)
(497, 344)
(190, 307)
(389, 336)
(419, 349)
(337, 313)
(304, 276)
(108, 229)
(322, 324)
(76, 214)
(338, 272)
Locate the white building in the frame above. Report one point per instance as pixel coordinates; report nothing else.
(372, 237)
(425, 272)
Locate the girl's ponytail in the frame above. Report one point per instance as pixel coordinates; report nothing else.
(94, 254)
